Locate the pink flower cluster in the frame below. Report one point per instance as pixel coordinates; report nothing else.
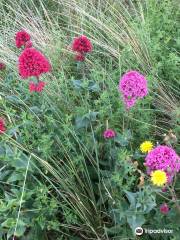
(164, 209)
(32, 63)
(21, 38)
(81, 45)
(163, 158)
(36, 87)
(109, 133)
(133, 86)
(2, 126)
(79, 57)
(2, 66)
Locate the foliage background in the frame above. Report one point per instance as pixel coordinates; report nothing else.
(59, 179)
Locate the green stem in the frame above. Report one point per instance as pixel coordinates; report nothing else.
(174, 197)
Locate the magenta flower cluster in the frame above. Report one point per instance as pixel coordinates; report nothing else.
(164, 209)
(109, 133)
(133, 86)
(163, 158)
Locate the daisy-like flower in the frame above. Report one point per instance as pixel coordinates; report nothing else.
(163, 158)
(158, 178)
(2, 126)
(21, 38)
(146, 146)
(109, 133)
(164, 208)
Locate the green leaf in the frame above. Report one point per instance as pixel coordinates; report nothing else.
(36, 109)
(131, 198)
(14, 99)
(9, 151)
(114, 230)
(21, 228)
(13, 131)
(119, 216)
(2, 150)
(77, 84)
(135, 220)
(81, 122)
(8, 223)
(93, 87)
(9, 78)
(20, 161)
(84, 121)
(90, 86)
(121, 140)
(11, 223)
(4, 174)
(149, 204)
(15, 177)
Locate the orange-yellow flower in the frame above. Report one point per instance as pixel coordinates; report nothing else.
(146, 146)
(158, 178)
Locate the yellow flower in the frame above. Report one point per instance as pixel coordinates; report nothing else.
(158, 177)
(146, 146)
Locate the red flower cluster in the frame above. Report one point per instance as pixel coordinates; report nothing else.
(36, 87)
(21, 38)
(2, 126)
(81, 45)
(80, 57)
(2, 66)
(33, 63)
